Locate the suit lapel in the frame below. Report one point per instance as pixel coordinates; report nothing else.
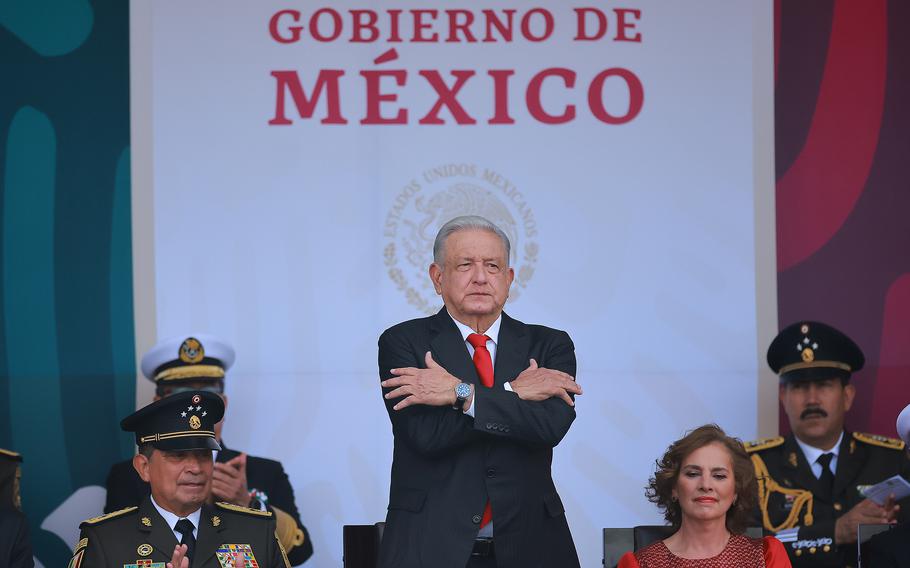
(512, 350)
(449, 349)
(158, 533)
(850, 460)
(208, 536)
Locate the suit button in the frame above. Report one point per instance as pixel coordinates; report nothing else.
(491, 472)
(476, 519)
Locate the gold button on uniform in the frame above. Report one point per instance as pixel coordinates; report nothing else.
(799, 551)
(812, 550)
(827, 548)
(838, 507)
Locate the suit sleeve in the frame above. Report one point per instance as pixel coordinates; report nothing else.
(536, 423)
(91, 554)
(427, 430)
(281, 496)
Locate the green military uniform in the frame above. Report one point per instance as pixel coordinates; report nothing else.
(138, 537)
(791, 504)
(10, 473)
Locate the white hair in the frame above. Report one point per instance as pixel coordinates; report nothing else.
(466, 223)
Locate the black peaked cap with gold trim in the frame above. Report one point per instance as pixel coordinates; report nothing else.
(811, 351)
(182, 421)
(196, 357)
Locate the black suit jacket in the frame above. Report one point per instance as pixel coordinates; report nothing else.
(862, 460)
(446, 465)
(890, 549)
(124, 537)
(126, 489)
(15, 547)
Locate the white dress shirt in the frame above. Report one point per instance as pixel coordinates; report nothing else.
(492, 339)
(171, 520)
(812, 454)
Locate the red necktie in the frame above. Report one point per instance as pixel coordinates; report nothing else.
(484, 365)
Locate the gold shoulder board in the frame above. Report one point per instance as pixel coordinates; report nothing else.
(16, 456)
(102, 518)
(247, 510)
(881, 441)
(758, 445)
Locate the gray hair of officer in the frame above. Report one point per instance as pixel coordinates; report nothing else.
(466, 223)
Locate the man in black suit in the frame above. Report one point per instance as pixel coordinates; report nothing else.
(811, 482)
(200, 362)
(891, 549)
(175, 524)
(477, 402)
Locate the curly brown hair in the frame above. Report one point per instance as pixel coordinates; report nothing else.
(660, 487)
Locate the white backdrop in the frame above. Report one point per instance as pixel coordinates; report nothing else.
(300, 243)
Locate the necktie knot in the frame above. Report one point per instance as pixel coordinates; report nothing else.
(478, 340)
(825, 461)
(184, 527)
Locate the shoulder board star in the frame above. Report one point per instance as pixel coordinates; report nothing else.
(763, 444)
(880, 441)
(102, 518)
(246, 510)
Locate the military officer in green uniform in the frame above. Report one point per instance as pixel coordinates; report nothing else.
(201, 362)
(811, 482)
(174, 526)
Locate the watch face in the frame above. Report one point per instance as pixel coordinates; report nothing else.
(463, 390)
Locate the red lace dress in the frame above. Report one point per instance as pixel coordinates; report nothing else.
(740, 552)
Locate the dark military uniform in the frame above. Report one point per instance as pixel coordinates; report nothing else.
(790, 496)
(889, 549)
(264, 476)
(138, 537)
(10, 473)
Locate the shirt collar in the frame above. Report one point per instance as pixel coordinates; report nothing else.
(492, 332)
(171, 519)
(812, 453)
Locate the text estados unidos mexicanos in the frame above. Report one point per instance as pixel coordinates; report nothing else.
(418, 26)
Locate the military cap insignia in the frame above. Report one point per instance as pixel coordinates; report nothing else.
(146, 521)
(191, 351)
(195, 423)
(144, 549)
(216, 521)
(764, 444)
(880, 441)
(806, 347)
(236, 556)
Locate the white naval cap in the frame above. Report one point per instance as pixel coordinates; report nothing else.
(195, 357)
(903, 424)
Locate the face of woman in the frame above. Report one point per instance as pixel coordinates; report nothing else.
(705, 488)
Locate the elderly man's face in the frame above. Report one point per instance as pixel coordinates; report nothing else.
(180, 481)
(816, 409)
(475, 277)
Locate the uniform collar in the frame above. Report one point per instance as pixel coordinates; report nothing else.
(171, 519)
(812, 453)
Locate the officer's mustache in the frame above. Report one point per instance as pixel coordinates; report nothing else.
(809, 412)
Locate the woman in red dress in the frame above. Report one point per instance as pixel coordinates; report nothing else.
(705, 484)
